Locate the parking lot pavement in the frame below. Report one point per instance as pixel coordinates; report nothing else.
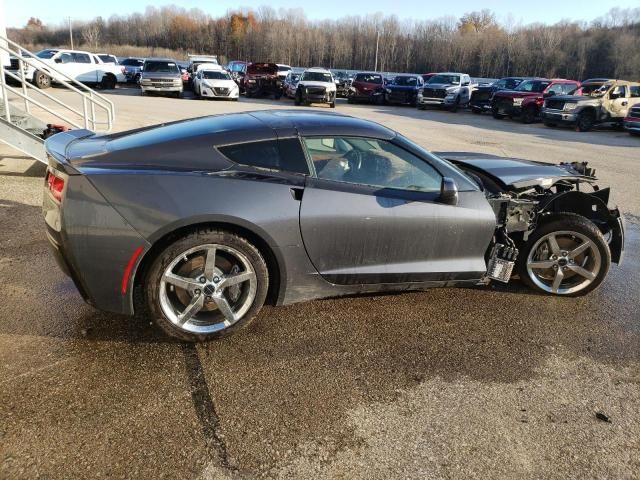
(449, 383)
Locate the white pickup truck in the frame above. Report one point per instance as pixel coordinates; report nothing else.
(81, 66)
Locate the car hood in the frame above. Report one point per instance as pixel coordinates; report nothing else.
(161, 76)
(518, 174)
(516, 94)
(219, 83)
(573, 98)
(308, 83)
(366, 86)
(402, 88)
(440, 86)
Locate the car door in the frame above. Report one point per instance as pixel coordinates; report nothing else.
(85, 67)
(371, 213)
(619, 101)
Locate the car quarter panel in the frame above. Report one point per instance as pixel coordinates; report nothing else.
(157, 204)
(95, 243)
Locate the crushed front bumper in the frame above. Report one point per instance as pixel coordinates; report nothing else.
(559, 116)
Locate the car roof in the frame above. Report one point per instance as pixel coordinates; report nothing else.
(244, 127)
(160, 60)
(209, 66)
(317, 69)
(321, 123)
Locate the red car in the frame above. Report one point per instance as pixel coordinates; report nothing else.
(632, 121)
(367, 87)
(526, 100)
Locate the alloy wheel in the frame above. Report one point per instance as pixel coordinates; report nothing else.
(563, 262)
(207, 288)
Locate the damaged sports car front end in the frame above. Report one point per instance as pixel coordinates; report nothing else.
(526, 195)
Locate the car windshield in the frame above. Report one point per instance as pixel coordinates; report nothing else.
(406, 81)
(161, 67)
(262, 69)
(537, 86)
(215, 75)
(454, 79)
(596, 90)
(46, 53)
(294, 77)
(317, 77)
(132, 62)
(236, 67)
(368, 78)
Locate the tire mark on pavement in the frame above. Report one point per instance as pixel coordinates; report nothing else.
(204, 406)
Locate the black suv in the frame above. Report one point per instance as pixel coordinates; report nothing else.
(481, 97)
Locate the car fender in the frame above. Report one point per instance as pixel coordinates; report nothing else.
(592, 206)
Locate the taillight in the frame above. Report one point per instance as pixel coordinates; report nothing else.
(55, 185)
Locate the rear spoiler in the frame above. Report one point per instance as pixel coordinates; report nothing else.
(56, 147)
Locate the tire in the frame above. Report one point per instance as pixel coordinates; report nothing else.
(496, 113)
(456, 104)
(108, 82)
(381, 100)
(570, 231)
(298, 100)
(233, 255)
(529, 115)
(585, 121)
(41, 80)
(332, 104)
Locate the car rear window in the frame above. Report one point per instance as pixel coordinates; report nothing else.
(283, 155)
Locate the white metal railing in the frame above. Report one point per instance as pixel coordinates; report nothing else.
(97, 113)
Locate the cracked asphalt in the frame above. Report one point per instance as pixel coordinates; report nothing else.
(451, 383)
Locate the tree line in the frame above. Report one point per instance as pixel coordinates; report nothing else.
(476, 43)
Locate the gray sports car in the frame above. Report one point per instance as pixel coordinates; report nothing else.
(198, 223)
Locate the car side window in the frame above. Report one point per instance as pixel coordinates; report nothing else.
(501, 84)
(81, 58)
(66, 58)
(557, 88)
(372, 162)
(282, 155)
(634, 91)
(619, 92)
(569, 88)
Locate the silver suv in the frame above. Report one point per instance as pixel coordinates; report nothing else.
(161, 75)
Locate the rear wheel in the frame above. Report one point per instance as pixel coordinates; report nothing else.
(496, 113)
(332, 104)
(456, 104)
(207, 285)
(108, 82)
(565, 256)
(41, 80)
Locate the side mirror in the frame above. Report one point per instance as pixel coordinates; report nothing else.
(448, 191)
(58, 60)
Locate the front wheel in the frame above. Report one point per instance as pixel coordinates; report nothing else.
(586, 121)
(565, 256)
(206, 285)
(496, 113)
(108, 82)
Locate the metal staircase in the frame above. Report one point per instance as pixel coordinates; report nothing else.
(25, 110)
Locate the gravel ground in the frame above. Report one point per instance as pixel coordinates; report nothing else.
(449, 383)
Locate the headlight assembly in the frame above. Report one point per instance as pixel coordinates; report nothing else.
(568, 107)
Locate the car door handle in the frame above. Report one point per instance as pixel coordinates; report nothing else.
(296, 193)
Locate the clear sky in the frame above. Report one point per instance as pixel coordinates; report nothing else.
(547, 11)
